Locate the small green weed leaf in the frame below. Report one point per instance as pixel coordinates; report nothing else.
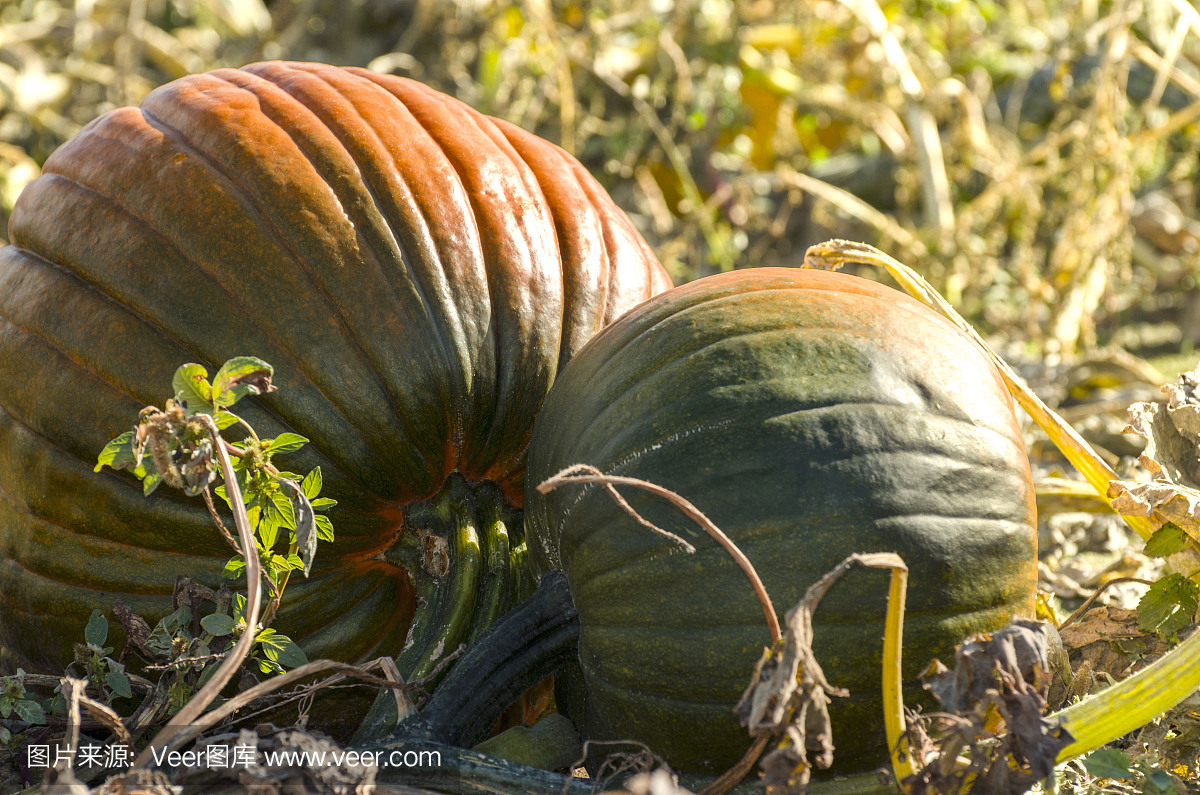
(29, 711)
(225, 419)
(1108, 763)
(241, 376)
(321, 503)
(164, 632)
(152, 479)
(233, 569)
(96, 631)
(282, 507)
(118, 453)
(118, 682)
(1158, 782)
(324, 527)
(192, 390)
(1167, 540)
(239, 607)
(281, 649)
(1168, 605)
(268, 529)
(311, 485)
(286, 443)
(219, 624)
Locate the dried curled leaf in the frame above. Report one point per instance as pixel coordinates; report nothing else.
(1172, 457)
(789, 697)
(1002, 677)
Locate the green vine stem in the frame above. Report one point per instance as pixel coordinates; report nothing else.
(463, 552)
(524, 646)
(182, 727)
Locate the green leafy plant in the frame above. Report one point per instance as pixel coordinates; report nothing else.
(173, 445)
(1115, 764)
(106, 674)
(1169, 604)
(14, 700)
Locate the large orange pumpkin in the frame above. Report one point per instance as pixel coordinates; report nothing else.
(417, 272)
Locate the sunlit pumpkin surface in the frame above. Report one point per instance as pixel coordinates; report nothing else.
(810, 415)
(417, 273)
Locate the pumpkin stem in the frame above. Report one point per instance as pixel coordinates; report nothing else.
(524, 646)
(462, 555)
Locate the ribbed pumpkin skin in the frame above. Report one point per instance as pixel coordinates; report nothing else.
(416, 272)
(810, 415)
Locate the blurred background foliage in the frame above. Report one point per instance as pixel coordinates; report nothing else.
(1036, 159)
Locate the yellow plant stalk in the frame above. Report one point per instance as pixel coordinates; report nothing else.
(1132, 702)
(893, 698)
(1135, 701)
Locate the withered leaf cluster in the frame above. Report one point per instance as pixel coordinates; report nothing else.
(1172, 457)
(789, 697)
(993, 700)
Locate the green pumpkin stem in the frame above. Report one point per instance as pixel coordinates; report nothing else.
(462, 556)
(524, 646)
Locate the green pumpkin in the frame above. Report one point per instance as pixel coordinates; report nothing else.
(810, 415)
(416, 272)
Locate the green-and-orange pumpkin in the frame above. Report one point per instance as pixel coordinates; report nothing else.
(810, 415)
(418, 273)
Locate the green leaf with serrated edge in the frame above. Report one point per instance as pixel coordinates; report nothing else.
(1168, 605)
(286, 443)
(321, 503)
(96, 631)
(1108, 763)
(118, 682)
(1167, 540)
(311, 485)
(241, 376)
(192, 390)
(118, 453)
(218, 624)
(29, 711)
(224, 419)
(324, 527)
